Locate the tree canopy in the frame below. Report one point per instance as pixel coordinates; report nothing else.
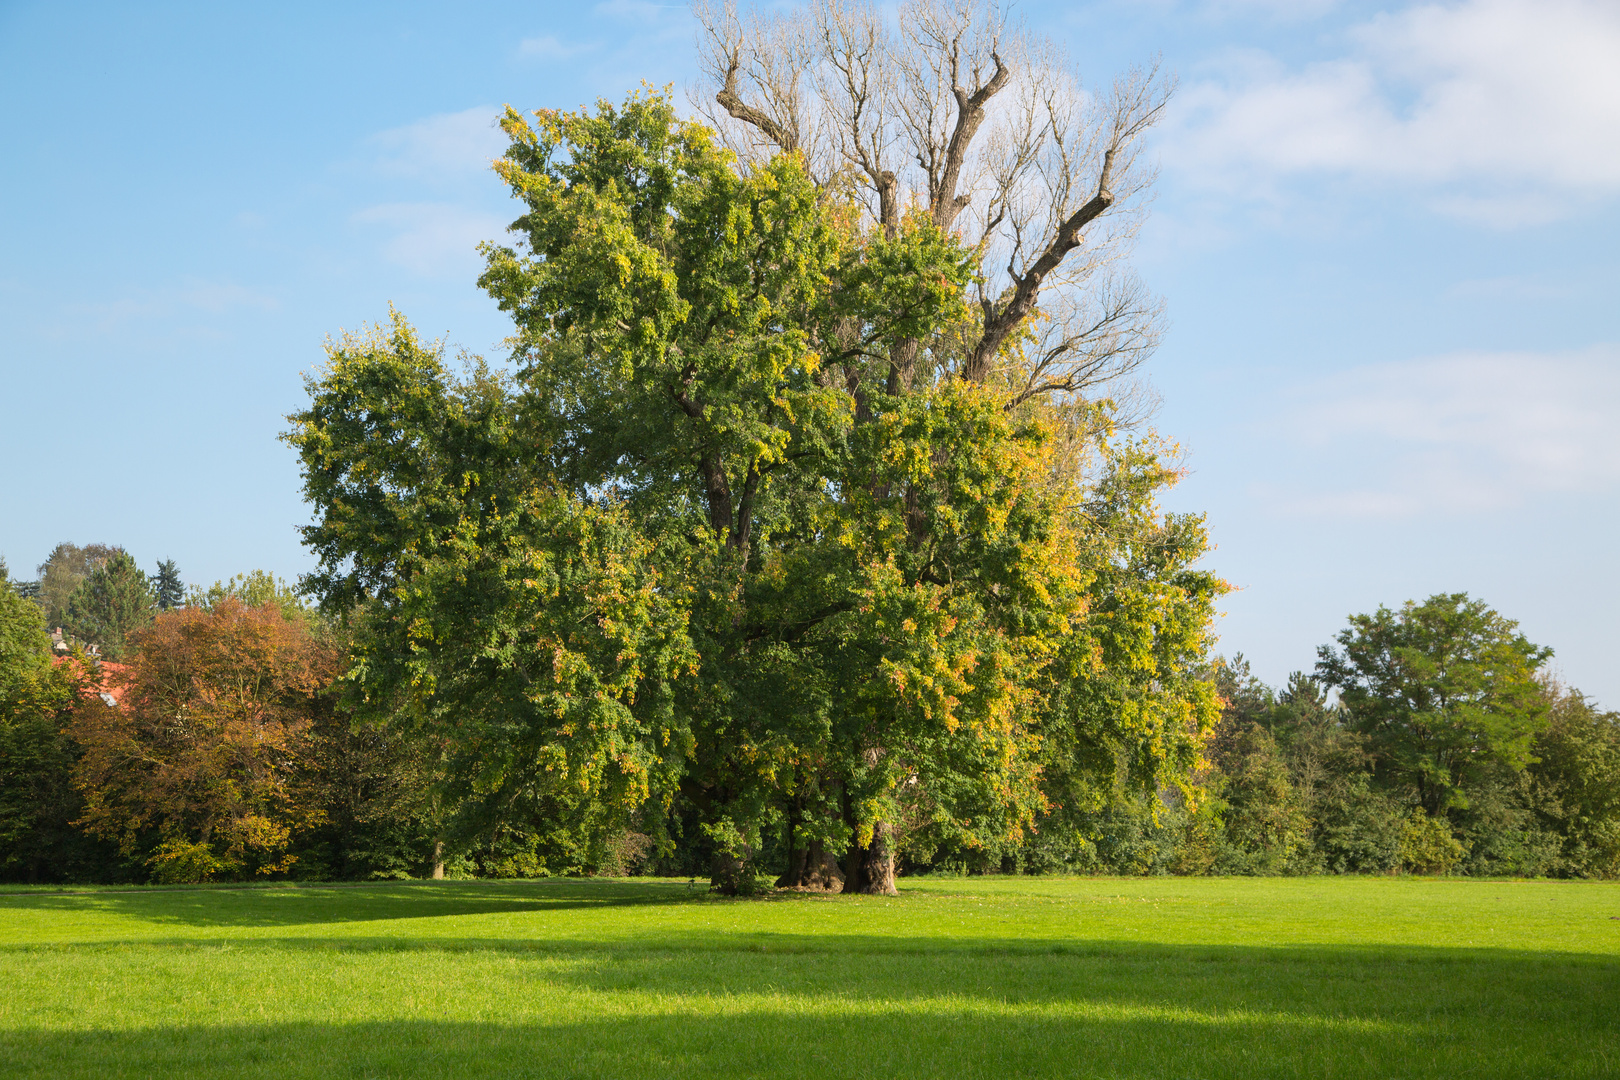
(704, 546)
(205, 748)
(1445, 691)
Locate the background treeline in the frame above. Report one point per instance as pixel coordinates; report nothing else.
(1428, 741)
(1293, 785)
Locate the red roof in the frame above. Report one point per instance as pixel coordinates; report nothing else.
(105, 677)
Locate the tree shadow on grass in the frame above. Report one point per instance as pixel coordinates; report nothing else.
(709, 1004)
(650, 999)
(303, 904)
(1102, 1029)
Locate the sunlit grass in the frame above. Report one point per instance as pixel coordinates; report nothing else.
(955, 977)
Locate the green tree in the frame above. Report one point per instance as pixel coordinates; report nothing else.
(845, 587)
(62, 572)
(256, 588)
(373, 784)
(167, 587)
(1577, 782)
(24, 645)
(526, 631)
(1444, 691)
(28, 590)
(37, 800)
(110, 603)
(1265, 823)
(1356, 825)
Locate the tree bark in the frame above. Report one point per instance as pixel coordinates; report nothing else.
(870, 869)
(438, 860)
(731, 875)
(812, 867)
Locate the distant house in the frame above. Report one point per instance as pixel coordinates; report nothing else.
(105, 680)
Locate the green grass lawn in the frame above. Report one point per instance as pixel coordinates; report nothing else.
(993, 977)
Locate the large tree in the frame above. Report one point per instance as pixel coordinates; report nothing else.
(1445, 691)
(886, 558)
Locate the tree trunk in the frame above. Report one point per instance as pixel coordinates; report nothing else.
(870, 869)
(812, 867)
(438, 860)
(731, 875)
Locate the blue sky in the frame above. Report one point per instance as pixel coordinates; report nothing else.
(1387, 235)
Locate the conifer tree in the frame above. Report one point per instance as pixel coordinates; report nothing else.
(114, 600)
(166, 586)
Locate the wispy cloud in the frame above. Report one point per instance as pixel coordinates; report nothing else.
(448, 146)
(433, 239)
(549, 47)
(1512, 288)
(1502, 110)
(1282, 10)
(189, 296)
(1458, 433)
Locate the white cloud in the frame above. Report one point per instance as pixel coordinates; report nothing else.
(549, 47)
(1466, 432)
(168, 301)
(1284, 11)
(446, 146)
(1506, 110)
(432, 238)
(1513, 288)
(1290, 10)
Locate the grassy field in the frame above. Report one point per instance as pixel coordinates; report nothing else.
(992, 977)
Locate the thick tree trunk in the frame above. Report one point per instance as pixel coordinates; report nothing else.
(438, 860)
(731, 875)
(812, 867)
(870, 869)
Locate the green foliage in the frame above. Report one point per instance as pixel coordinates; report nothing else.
(111, 602)
(167, 588)
(27, 590)
(1445, 692)
(1427, 846)
(1575, 782)
(256, 588)
(373, 783)
(713, 539)
(24, 645)
(178, 861)
(37, 801)
(523, 630)
(1265, 822)
(62, 572)
(1357, 826)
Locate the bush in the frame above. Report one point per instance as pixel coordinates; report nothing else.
(178, 861)
(1427, 846)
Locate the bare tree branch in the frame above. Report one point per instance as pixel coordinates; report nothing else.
(953, 109)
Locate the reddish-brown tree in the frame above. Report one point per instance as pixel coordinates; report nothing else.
(205, 746)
